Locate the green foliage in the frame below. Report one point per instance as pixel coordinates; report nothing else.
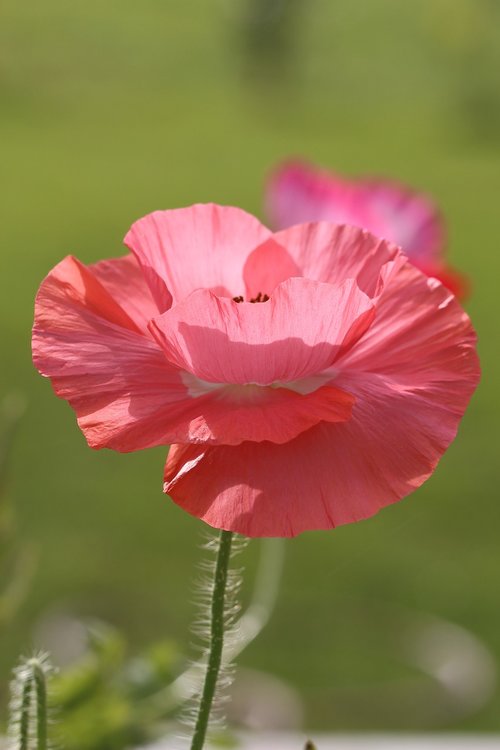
(102, 701)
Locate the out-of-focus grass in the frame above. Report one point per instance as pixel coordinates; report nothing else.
(111, 110)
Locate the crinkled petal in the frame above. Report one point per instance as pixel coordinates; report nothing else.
(412, 374)
(420, 337)
(297, 333)
(454, 280)
(201, 247)
(125, 282)
(330, 475)
(127, 396)
(234, 414)
(331, 254)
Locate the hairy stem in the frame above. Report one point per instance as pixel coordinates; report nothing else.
(248, 627)
(24, 720)
(41, 706)
(216, 639)
(28, 719)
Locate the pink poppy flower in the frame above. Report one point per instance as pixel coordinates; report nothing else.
(298, 192)
(305, 378)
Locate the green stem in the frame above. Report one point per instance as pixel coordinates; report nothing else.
(41, 707)
(216, 639)
(28, 720)
(24, 723)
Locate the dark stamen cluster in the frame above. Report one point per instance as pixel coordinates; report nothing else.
(259, 298)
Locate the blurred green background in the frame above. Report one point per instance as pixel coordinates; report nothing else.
(111, 110)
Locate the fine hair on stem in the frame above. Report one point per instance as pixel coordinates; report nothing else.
(228, 546)
(28, 709)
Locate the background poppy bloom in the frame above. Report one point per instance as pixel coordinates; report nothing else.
(306, 378)
(298, 192)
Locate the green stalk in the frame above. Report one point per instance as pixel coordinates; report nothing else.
(41, 705)
(28, 720)
(216, 639)
(24, 719)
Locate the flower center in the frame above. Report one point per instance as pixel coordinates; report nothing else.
(259, 298)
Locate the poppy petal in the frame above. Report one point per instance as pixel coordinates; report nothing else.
(411, 219)
(330, 475)
(126, 395)
(125, 282)
(298, 193)
(412, 374)
(266, 267)
(232, 415)
(329, 253)
(204, 246)
(298, 332)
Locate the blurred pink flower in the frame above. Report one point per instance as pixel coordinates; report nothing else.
(333, 394)
(298, 192)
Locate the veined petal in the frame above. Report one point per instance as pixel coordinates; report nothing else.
(126, 395)
(233, 414)
(124, 281)
(298, 332)
(201, 247)
(330, 475)
(420, 337)
(329, 253)
(412, 374)
(454, 280)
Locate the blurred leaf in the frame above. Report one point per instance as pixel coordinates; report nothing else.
(82, 681)
(151, 671)
(102, 700)
(224, 739)
(104, 722)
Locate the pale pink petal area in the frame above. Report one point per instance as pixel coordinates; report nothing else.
(266, 267)
(410, 219)
(125, 393)
(298, 332)
(204, 246)
(125, 282)
(234, 414)
(331, 254)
